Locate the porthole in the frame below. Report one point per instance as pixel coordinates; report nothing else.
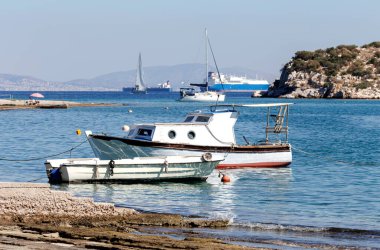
(171, 134)
(191, 135)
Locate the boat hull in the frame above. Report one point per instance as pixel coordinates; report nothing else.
(252, 156)
(203, 97)
(238, 87)
(146, 169)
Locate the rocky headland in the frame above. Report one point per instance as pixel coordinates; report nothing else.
(345, 71)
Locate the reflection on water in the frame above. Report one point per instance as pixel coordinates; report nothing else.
(211, 198)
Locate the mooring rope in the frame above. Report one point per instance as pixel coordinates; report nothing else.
(46, 156)
(37, 179)
(330, 158)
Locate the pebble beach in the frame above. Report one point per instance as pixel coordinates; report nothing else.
(35, 217)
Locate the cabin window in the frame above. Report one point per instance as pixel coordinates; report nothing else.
(189, 118)
(202, 119)
(171, 134)
(144, 132)
(131, 132)
(191, 135)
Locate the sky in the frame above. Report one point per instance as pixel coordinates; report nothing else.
(71, 39)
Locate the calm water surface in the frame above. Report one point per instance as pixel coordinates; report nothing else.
(330, 195)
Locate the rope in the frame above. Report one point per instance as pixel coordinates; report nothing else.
(36, 179)
(330, 158)
(47, 156)
(227, 143)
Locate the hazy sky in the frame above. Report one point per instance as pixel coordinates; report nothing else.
(69, 39)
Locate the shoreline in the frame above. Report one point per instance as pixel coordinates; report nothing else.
(6, 104)
(32, 214)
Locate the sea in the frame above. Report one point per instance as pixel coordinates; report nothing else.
(328, 198)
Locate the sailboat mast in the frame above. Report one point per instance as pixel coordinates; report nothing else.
(140, 71)
(206, 48)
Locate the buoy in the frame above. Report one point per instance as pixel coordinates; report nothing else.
(125, 128)
(78, 132)
(225, 178)
(130, 110)
(166, 107)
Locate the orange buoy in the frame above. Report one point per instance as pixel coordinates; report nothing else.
(225, 178)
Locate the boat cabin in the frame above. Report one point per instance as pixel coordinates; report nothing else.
(186, 92)
(198, 128)
(214, 128)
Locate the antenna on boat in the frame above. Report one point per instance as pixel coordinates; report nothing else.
(216, 65)
(206, 39)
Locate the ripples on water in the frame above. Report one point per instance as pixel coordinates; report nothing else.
(328, 196)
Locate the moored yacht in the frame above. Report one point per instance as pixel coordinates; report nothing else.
(191, 95)
(202, 132)
(204, 95)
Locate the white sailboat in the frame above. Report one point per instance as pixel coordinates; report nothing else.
(139, 85)
(190, 95)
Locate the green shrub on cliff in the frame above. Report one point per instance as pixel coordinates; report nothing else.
(327, 61)
(375, 61)
(358, 69)
(373, 44)
(363, 85)
(304, 55)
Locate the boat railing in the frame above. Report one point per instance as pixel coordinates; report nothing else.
(277, 118)
(277, 122)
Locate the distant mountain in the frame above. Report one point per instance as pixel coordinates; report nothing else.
(9, 82)
(179, 75)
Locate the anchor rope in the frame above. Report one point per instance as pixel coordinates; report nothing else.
(46, 156)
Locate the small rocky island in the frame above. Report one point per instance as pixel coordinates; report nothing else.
(346, 71)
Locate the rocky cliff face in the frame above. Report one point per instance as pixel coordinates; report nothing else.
(345, 71)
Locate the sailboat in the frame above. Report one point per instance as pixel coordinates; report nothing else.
(139, 85)
(191, 95)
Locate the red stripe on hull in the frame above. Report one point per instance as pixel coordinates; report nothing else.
(254, 165)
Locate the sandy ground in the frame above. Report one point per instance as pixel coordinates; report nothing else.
(6, 104)
(32, 216)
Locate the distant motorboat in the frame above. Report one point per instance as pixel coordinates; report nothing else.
(191, 95)
(161, 87)
(139, 169)
(139, 84)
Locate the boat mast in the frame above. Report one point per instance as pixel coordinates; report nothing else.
(206, 47)
(139, 78)
(216, 65)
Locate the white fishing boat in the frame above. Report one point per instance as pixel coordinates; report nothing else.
(138, 169)
(139, 84)
(212, 131)
(191, 95)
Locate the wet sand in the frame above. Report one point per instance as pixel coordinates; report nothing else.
(34, 216)
(6, 104)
